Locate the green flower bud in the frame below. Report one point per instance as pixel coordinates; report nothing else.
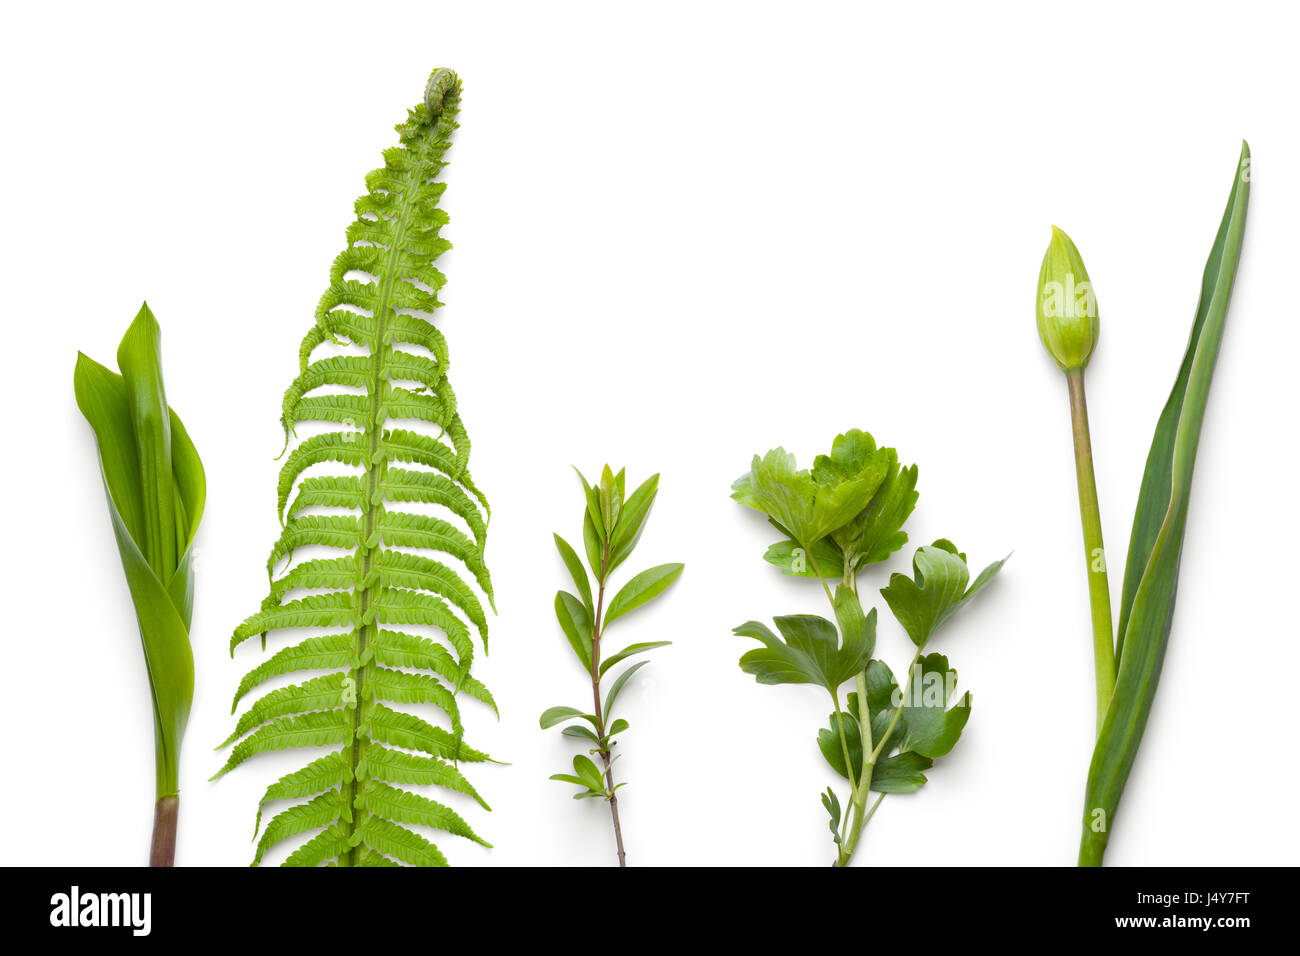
(1067, 308)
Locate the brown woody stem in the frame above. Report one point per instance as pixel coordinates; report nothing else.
(162, 851)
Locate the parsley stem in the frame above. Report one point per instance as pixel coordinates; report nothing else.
(1103, 640)
(861, 787)
(848, 772)
(898, 711)
(820, 577)
(872, 811)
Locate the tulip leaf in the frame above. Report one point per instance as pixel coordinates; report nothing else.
(1159, 525)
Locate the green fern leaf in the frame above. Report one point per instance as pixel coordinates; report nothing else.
(399, 529)
(401, 729)
(343, 484)
(316, 813)
(395, 766)
(391, 840)
(319, 693)
(404, 807)
(323, 773)
(416, 571)
(306, 730)
(333, 574)
(429, 488)
(406, 650)
(399, 687)
(326, 652)
(323, 846)
(344, 449)
(334, 609)
(329, 491)
(368, 857)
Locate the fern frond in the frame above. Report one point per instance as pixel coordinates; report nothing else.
(401, 484)
(406, 650)
(389, 839)
(368, 857)
(395, 766)
(405, 570)
(402, 530)
(402, 403)
(323, 846)
(383, 289)
(399, 687)
(342, 448)
(312, 815)
(335, 609)
(405, 807)
(305, 730)
(401, 729)
(323, 773)
(334, 574)
(327, 652)
(319, 693)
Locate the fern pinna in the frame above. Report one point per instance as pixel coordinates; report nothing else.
(351, 796)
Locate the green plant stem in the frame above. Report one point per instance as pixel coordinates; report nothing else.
(898, 711)
(1103, 637)
(605, 756)
(848, 764)
(861, 787)
(820, 577)
(872, 812)
(162, 849)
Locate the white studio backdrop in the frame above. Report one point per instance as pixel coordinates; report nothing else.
(685, 233)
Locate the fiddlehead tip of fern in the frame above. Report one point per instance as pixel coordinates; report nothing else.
(441, 82)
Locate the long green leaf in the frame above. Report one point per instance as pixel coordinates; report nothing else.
(1151, 577)
(156, 489)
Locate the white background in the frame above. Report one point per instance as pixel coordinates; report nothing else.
(683, 235)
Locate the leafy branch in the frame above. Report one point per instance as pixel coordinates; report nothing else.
(841, 516)
(611, 528)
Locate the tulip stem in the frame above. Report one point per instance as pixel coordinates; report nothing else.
(162, 850)
(1103, 640)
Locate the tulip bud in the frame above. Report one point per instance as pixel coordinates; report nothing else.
(1067, 308)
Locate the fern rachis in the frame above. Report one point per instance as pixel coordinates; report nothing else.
(399, 566)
